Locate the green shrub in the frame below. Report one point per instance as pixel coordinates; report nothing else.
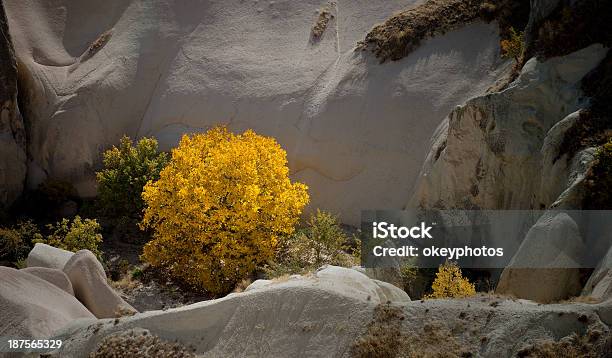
(408, 274)
(322, 241)
(127, 169)
(75, 236)
(16, 242)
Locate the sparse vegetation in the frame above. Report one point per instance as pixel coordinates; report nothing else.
(320, 25)
(408, 274)
(402, 33)
(383, 338)
(514, 46)
(599, 179)
(322, 241)
(573, 26)
(219, 208)
(139, 344)
(593, 344)
(16, 242)
(450, 283)
(99, 43)
(74, 236)
(127, 169)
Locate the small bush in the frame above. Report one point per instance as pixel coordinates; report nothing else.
(514, 46)
(75, 236)
(408, 274)
(322, 241)
(16, 242)
(219, 208)
(12, 247)
(599, 180)
(449, 283)
(127, 169)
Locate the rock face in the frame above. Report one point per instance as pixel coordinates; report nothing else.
(12, 133)
(310, 316)
(34, 308)
(91, 287)
(599, 285)
(503, 151)
(489, 152)
(298, 319)
(352, 128)
(43, 255)
(53, 276)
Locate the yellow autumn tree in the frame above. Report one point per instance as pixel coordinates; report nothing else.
(450, 283)
(219, 207)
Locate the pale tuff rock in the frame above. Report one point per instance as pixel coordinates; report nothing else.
(502, 151)
(346, 281)
(53, 276)
(91, 286)
(12, 133)
(599, 285)
(488, 153)
(316, 315)
(556, 241)
(305, 321)
(34, 308)
(352, 128)
(43, 255)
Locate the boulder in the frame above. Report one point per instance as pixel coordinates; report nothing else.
(43, 255)
(31, 307)
(347, 122)
(547, 265)
(345, 281)
(53, 276)
(91, 287)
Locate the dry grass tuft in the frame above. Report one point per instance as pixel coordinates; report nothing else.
(320, 25)
(593, 344)
(401, 34)
(139, 344)
(242, 285)
(383, 337)
(99, 43)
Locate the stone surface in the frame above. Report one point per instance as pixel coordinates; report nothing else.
(546, 266)
(12, 133)
(31, 307)
(599, 285)
(53, 276)
(43, 255)
(348, 282)
(488, 153)
(91, 287)
(165, 68)
(297, 319)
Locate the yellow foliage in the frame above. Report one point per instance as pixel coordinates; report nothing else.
(514, 46)
(219, 207)
(449, 283)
